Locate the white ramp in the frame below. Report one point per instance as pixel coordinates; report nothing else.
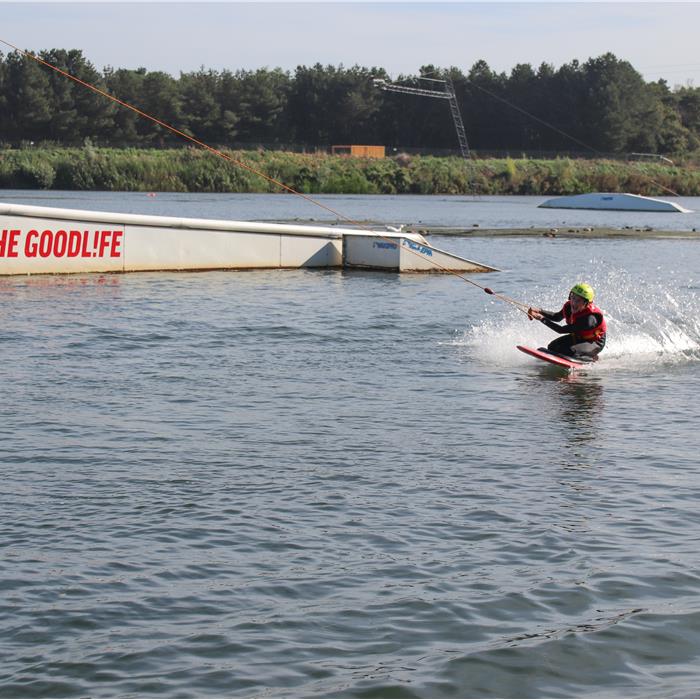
(35, 240)
(403, 254)
(613, 201)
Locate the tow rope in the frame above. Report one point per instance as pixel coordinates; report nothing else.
(255, 171)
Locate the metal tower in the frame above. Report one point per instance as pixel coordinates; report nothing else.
(447, 93)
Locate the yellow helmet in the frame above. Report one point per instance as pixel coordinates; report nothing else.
(583, 290)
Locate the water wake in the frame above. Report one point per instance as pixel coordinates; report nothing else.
(649, 323)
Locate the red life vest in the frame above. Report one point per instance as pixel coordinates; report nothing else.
(590, 334)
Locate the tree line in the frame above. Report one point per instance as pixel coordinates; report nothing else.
(602, 105)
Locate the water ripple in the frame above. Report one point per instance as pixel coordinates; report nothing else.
(323, 490)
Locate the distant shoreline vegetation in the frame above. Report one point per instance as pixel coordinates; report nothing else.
(602, 105)
(193, 170)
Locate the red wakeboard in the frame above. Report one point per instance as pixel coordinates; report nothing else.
(542, 354)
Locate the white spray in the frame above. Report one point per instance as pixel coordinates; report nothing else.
(648, 323)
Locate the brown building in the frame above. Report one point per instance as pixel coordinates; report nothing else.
(359, 151)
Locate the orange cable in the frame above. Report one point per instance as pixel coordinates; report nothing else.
(241, 164)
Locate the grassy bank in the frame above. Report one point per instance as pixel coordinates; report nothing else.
(190, 170)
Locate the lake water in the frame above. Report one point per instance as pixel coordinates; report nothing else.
(446, 211)
(350, 484)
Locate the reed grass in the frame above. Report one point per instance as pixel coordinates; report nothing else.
(192, 170)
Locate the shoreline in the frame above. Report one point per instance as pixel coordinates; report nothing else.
(185, 169)
(572, 232)
(544, 232)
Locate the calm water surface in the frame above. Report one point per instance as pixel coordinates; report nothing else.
(324, 484)
(450, 211)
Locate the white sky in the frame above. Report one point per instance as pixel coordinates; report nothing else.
(659, 39)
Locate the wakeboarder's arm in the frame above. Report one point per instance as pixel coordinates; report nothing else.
(540, 314)
(585, 323)
(552, 315)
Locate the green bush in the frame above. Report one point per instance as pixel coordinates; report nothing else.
(36, 176)
(195, 170)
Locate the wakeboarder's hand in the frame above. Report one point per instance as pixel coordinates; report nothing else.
(534, 314)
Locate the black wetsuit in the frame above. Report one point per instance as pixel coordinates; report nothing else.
(568, 344)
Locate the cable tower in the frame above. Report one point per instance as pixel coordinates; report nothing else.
(447, 93)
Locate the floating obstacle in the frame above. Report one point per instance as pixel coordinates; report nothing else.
(48, 240)
(610, 201)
